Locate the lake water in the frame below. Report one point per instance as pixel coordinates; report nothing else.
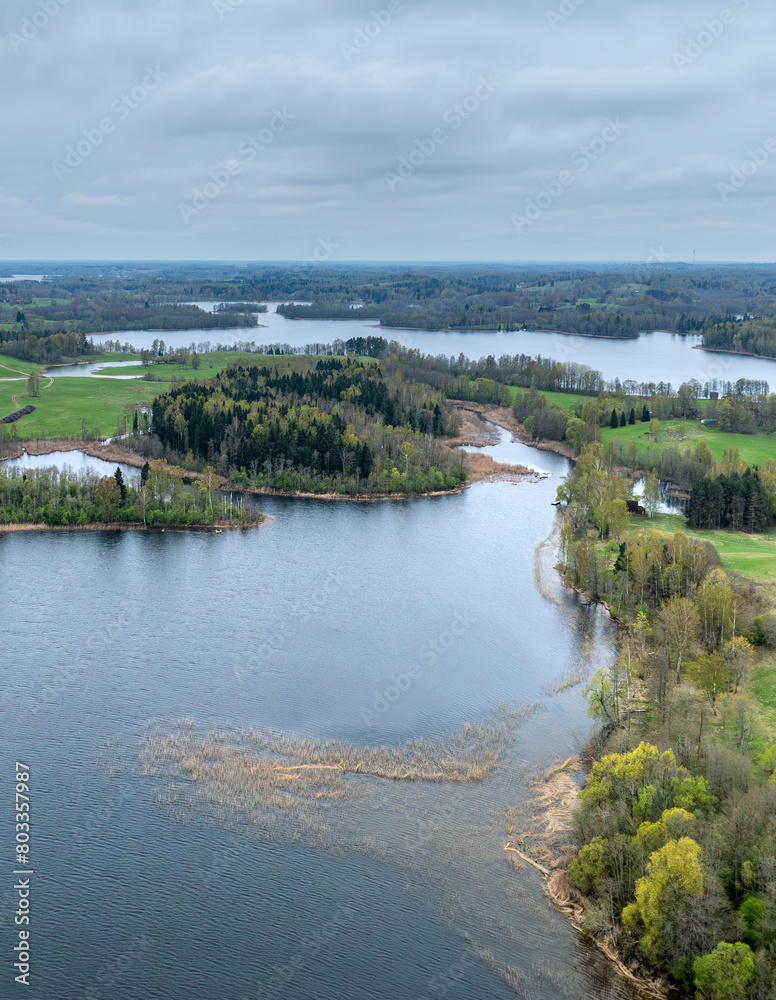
(297, 627)
(653, 357)
(76, 461)
(92, 368)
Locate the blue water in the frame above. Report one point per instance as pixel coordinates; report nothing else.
(296, 626)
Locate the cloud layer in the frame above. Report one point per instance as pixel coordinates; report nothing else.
(409, 129)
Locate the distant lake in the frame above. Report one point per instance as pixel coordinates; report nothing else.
(653, 357)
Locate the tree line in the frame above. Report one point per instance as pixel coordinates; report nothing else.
(157, 497)
(676, 863)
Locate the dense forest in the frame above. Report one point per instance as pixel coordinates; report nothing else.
(724, 303)
(738, 502)
(322, 426)
(753, 336)
(157, 497)
(676, 868)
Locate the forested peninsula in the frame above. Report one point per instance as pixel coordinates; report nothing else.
(326, 426)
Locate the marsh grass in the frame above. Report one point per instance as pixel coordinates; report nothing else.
(275, 777)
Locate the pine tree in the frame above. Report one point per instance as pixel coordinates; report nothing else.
(622, 419)
(632, 417)
(614, 422)
(645, 415)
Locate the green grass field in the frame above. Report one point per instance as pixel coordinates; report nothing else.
(565, 400)
(750, 555)
(18, 366)
(210, 365)
(755, 449)
(60, 408)
(101, 401)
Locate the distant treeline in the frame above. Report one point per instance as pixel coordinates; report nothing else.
(328, 310)
(608, 301)
(325, 426)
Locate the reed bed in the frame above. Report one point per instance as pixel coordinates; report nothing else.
(272, 776)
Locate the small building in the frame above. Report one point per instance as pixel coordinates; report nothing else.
(709, 421)
(634, 507)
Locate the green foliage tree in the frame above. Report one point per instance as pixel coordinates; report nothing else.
(33, 385)
(107, 496)
(674, 877)
(587, 871)
(652, 493)
(726, 973)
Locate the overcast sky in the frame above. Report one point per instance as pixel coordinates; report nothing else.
(419, 130)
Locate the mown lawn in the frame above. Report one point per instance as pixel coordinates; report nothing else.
(755, 449)
(565, 400)
(61, 408)
(9, 362)
(210, 365)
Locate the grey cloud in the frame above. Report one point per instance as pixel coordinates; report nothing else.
(364, 94)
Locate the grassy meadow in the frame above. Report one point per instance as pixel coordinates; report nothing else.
(754, 449)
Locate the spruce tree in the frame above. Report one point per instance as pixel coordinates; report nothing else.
(614, 422)
(632, 417)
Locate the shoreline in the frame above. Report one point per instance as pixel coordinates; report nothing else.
(479, 467)
(213, 529)
(740, 354)
(470, 329)
(503, 417)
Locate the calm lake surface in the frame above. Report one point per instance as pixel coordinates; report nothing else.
(297, 627)
(654, 357)
(76, 461)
